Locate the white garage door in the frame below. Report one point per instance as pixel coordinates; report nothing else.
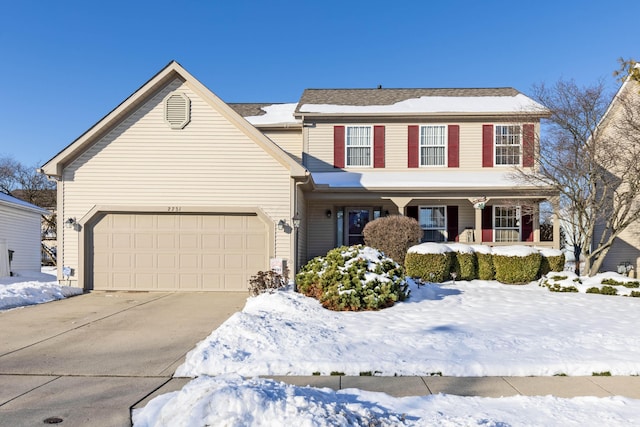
(177, 252)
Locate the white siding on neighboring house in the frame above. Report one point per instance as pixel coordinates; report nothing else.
(209, 164)
(20, 232)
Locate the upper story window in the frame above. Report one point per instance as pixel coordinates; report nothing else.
(433, 145)
(433, 221)
(506, 222)
(508, 144)
(358, 146)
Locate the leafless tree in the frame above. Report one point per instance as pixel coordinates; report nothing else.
(591, 159)
(26, 183)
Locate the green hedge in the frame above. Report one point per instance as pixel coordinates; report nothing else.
(486, 271)
(517, 270)
(430, 267)
(551, 263)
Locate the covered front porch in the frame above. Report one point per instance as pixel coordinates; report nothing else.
(494, 218)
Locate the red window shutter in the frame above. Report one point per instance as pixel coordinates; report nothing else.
(414, 146)
(487, 224)
(528, 145)
(453, 148)
(378, 146)
(526, 225)
(338, 146)
(452, 224)
(487, 146)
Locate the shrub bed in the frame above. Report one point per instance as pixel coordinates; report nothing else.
(353, 278)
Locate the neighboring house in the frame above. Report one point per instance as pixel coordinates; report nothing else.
(624, 254)
(177, 190)
(45, 199)
(20, 235)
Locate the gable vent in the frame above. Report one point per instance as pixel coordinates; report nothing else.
(177, 110)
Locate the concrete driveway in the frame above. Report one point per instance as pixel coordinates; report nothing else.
(86, 360)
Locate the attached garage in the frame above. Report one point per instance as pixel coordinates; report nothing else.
(175, 251)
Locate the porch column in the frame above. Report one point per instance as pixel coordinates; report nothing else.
(477, 234)
(401, 203)
(555, 203)
(478, 205)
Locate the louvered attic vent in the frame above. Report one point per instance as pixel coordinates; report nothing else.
(177, 110)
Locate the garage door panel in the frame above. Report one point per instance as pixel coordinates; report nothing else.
(177, 252)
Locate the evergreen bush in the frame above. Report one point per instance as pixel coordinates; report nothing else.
(393, 235)
(551, 263)
(353, 278)
(429, 267)
(465, 262)
(486, 271)
(517, 269)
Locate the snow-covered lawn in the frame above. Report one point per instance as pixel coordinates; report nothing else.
(28, 288)
(461, 329)
(475, 328)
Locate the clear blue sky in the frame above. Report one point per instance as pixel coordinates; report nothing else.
(66, 64)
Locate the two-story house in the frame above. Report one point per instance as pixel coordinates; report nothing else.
(177, 190)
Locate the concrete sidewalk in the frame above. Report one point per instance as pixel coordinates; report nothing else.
(565, 387)
(86, 360)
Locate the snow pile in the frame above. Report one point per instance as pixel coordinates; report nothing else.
(234, 401)
(515, 250)
(476, 328)
(28, 288)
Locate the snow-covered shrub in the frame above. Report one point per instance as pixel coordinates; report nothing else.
(393, 235)
(486, 271)
(516, 264)
(429, 261)
(353, 278)
(552, 260)
(465, 262)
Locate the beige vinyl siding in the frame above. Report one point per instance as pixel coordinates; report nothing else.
(20, 229)
(626, 248)
(209, 163)
(289, 140)
(322, 235)
(320, 146)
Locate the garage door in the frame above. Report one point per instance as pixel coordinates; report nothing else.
(177, 252)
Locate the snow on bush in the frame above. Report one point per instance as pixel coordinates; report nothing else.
(353, 278)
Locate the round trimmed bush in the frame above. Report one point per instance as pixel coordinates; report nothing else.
(465, 262)
(393, 235)
(352, 279)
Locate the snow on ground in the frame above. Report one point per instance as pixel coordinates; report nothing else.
(477, 328)
(234, 401)
(28, 288)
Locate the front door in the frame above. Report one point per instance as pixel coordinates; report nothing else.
(357, 218)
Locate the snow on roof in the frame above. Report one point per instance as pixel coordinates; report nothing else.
(15, 202)
(421, 179)
(438, 104)
(275, 114)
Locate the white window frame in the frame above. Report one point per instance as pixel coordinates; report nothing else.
(497, 145)
(425, 227)
(444, 146)
(369, 145)
(497, 238)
